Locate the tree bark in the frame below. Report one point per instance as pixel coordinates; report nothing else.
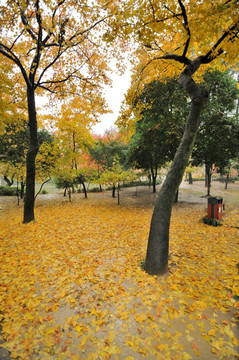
(226, 182)
(31, 156)
(113, 191)
(84, 188)
(118, 193)
(18, 198)
(154, 177)
(158, 242)
(69, 193)
(149, 177)
(208, 177)
(22, 190)
(9, 182)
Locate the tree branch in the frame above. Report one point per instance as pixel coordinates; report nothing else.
(36, 60)
(162, 20)
(14, 42)
(211, 55)
(41, 187)
(89, 28)
(65, 79)
(4, 50)
(186, 27)
(52, 22)
(48, 66)
(26, 24)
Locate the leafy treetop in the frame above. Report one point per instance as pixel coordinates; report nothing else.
(173, 34)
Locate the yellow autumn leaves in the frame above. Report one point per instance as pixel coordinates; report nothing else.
(72, 286)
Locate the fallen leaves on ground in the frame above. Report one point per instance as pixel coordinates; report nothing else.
(72, 286)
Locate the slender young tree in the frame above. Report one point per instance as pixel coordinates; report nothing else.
(53, 44)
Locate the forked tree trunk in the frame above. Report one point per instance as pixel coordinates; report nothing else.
(31, 156)
(158, 242)
(154, 177)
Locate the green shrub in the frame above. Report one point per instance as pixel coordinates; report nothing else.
(44, 192)
(8, 191)
(142, 264)
(211, 221)
(95, 189)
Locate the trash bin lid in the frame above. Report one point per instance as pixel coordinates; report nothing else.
(215, 200)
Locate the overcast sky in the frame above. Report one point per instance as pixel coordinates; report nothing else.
(114, 97)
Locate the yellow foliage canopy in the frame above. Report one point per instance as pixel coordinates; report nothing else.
(171, 34)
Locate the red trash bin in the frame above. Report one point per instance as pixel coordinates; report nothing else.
(215, 207)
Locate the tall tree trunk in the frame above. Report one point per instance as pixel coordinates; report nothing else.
(31, 156)
(190, 178)
(158, 242)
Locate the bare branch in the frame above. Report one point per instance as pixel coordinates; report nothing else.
(52, 21)
(72, 75)
(46, 88)
(89, 28)
(186, 26)
(48, 66)
(14, 42)
(152, 9)
(41, 187)
(26, 25)
(162, 20)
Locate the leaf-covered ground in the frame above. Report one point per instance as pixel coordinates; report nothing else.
(72, 287)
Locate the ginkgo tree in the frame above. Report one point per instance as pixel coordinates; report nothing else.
(179, 38)
(55, 46)
(73, 126)
(73, 135)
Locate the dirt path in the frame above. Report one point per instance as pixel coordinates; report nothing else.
(141, 195)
